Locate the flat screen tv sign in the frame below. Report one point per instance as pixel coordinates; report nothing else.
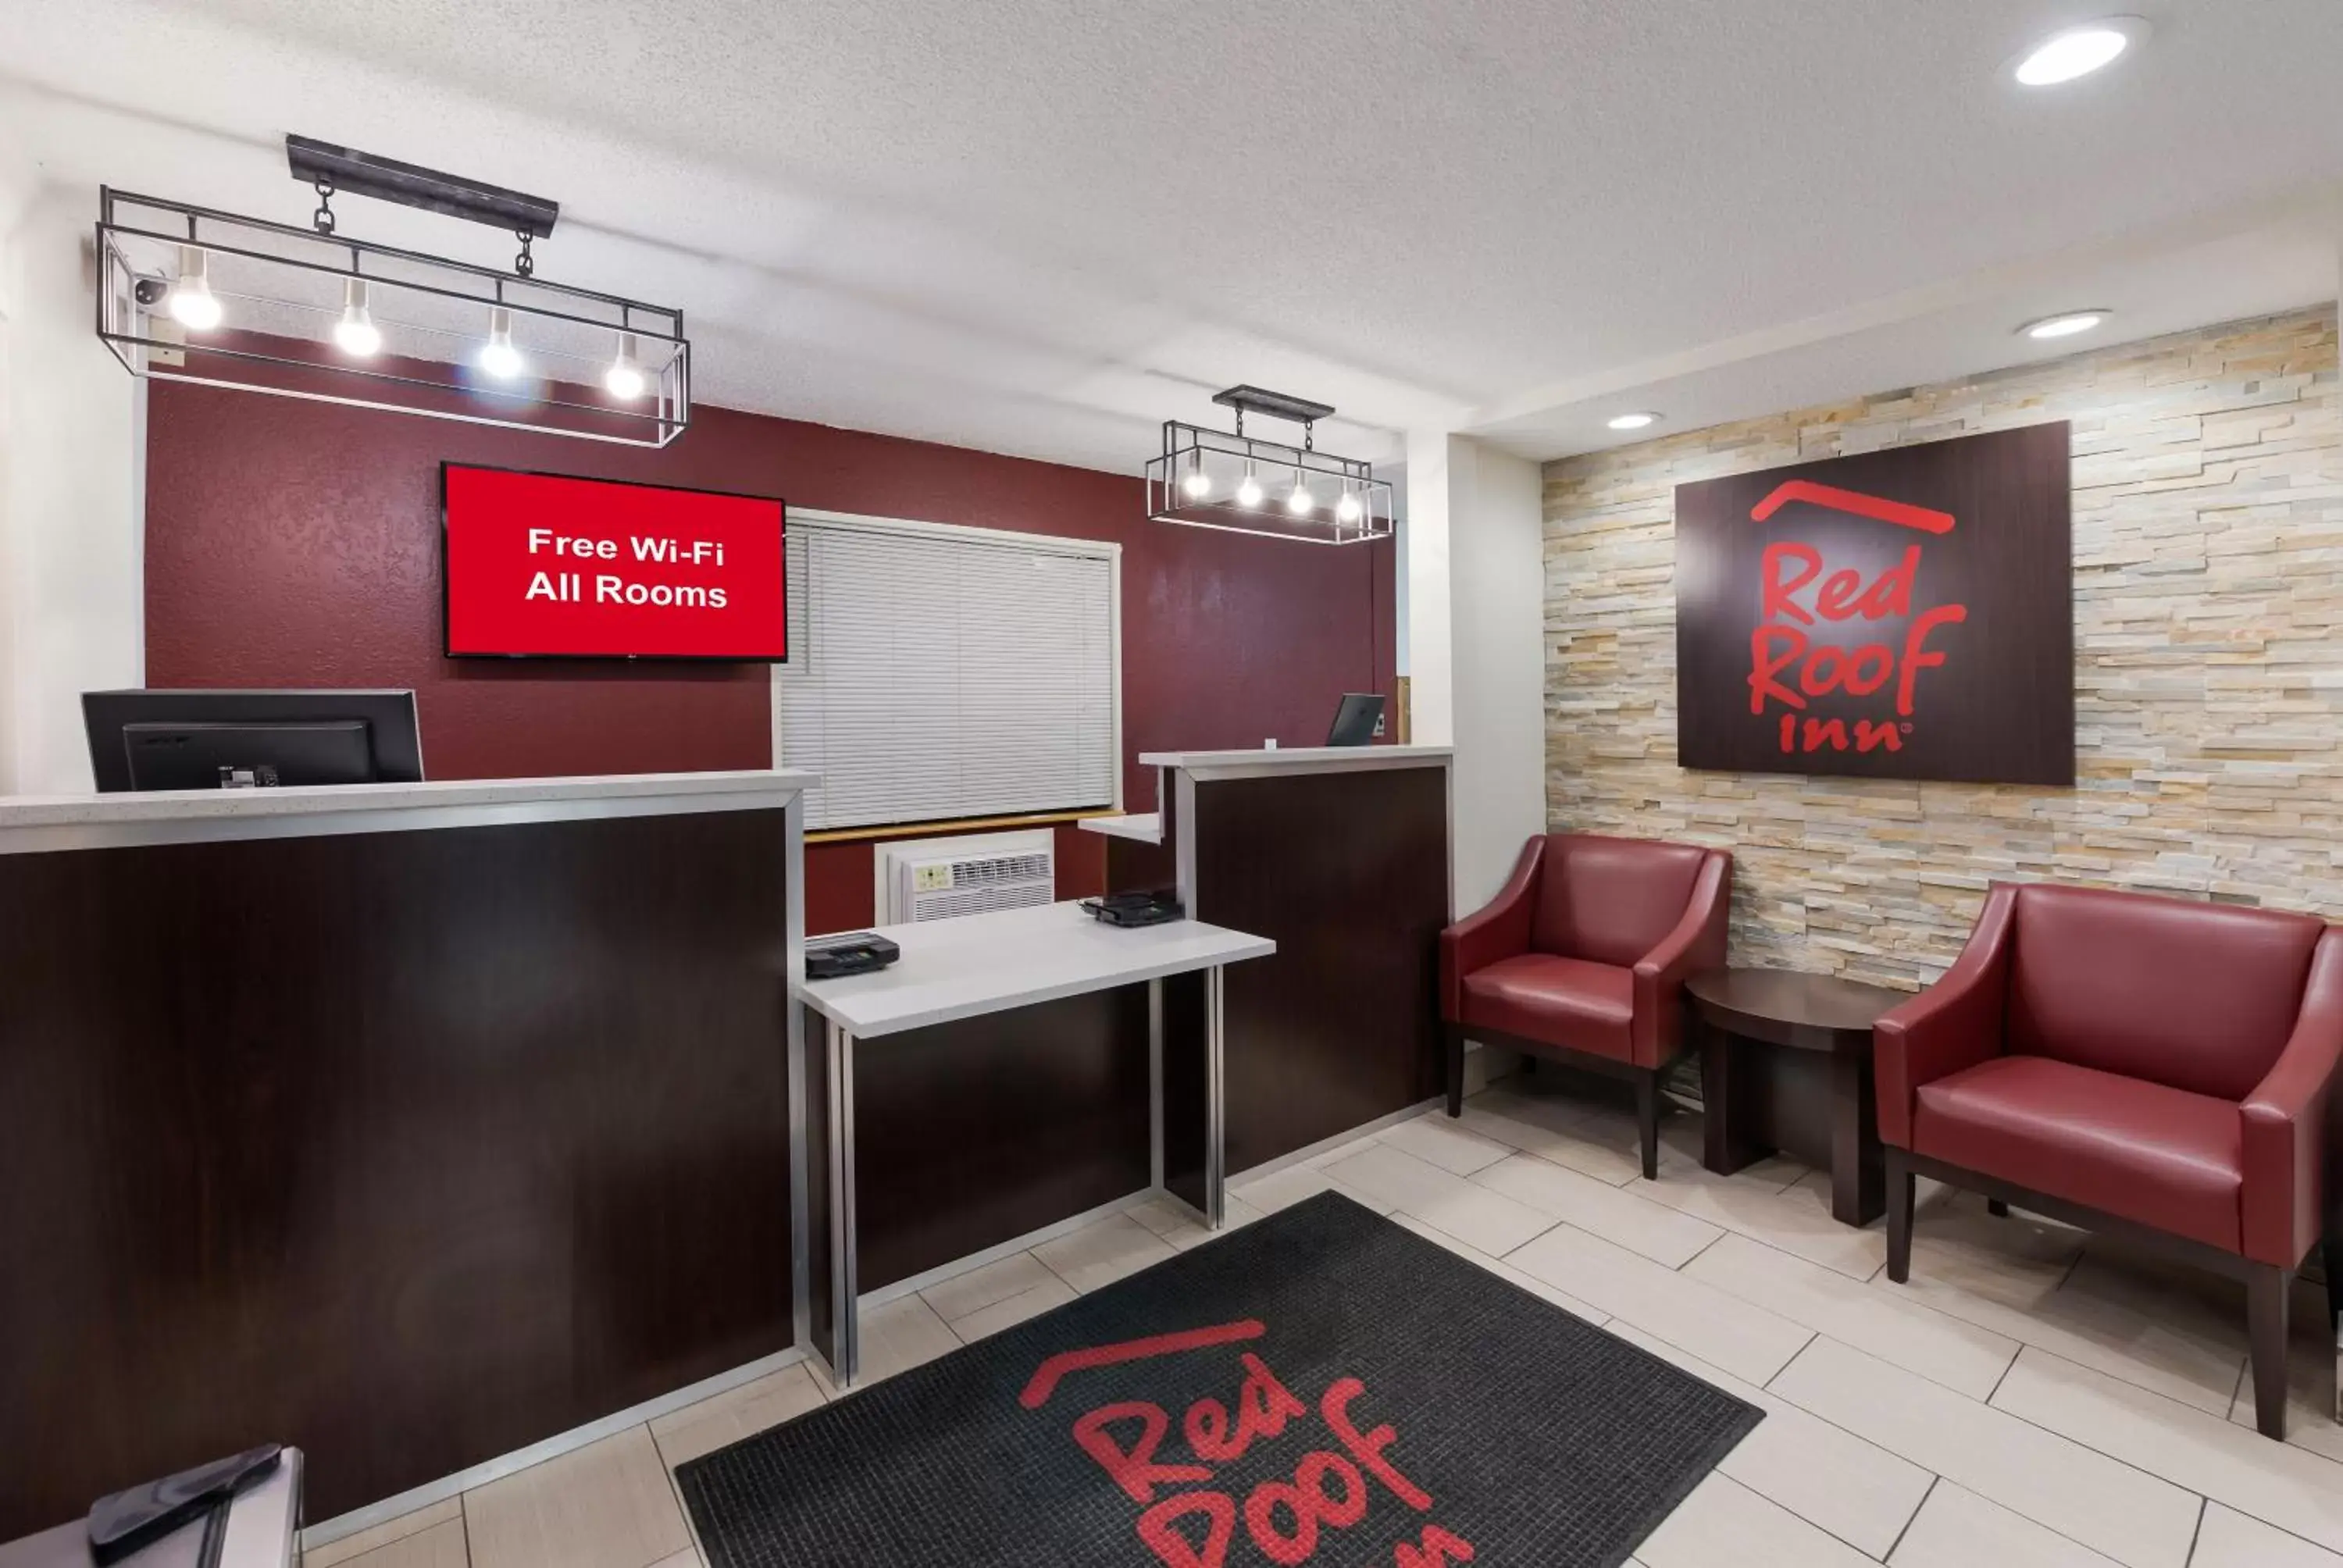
(1901, 614)
(549, 565)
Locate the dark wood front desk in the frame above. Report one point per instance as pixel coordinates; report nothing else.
(438, 1129)
(1340, 856)
(410, 1124)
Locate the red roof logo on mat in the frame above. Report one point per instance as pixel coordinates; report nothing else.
(1788, 667)
(1192, 1525)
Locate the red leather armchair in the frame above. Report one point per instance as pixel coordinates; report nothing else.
(2152, 1066)
(1583, 957)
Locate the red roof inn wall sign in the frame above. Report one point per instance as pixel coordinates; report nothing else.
(1902, 614)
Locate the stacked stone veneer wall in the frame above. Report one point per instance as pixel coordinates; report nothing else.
(2208, 676)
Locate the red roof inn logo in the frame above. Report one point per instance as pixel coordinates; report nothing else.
(1901, 614)
(1782, 644)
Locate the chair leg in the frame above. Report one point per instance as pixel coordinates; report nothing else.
(1647, 1121)
(1900, 1184)
(2331, 1261)
(2268, 1288)
(1997, 1208)
(1456, 1071)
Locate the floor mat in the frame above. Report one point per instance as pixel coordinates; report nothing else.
(1318, 1387)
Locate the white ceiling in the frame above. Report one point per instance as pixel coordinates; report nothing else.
(1041, 227)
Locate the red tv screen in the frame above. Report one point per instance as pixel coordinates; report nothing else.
(547, 566)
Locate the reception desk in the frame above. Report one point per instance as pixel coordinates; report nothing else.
(1340, 856)
(410, 1124)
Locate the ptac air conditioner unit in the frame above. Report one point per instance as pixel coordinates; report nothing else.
(937, 878)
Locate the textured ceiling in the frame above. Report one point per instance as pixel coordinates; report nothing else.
(1041, 227)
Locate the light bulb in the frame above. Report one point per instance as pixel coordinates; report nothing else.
(193, 304)
(1297, 500)
(355, 333)
(1197, 484)
(624, 378)
(1348, 507)
(1637, 421)
(1249, 492)
(500, 358)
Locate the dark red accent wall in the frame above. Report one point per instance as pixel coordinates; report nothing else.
(292, 543)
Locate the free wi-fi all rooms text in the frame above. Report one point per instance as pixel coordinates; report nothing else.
(610, 588)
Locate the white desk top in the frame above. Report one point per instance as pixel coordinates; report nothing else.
(35, 822)
(1300, 759)
(979, 964)
(1147, 827)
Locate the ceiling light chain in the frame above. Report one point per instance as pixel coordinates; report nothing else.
(322, 220)
(523, 264)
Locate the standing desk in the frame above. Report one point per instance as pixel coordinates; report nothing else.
(1008, 1072)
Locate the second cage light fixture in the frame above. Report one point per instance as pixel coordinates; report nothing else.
(1210, 478)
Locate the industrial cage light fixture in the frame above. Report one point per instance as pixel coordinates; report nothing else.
(1206, 478)
(189, 294)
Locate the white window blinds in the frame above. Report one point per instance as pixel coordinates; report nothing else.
(938, 672)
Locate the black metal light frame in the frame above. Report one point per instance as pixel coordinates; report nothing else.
(1185, 446)
(124, 322)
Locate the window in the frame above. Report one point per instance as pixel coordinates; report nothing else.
(938, 672)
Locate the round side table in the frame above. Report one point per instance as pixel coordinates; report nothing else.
(1786, 1064)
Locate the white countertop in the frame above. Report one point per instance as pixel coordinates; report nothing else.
(1301, 758)
(1147, 827)
(37, 822)
(979, 964)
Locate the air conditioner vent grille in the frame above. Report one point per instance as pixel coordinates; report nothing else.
(939, 879)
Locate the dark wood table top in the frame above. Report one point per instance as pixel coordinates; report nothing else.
(1790, 1007)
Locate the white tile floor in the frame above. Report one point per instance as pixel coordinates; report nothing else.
(2033, 1399)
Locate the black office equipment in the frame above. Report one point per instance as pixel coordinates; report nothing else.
(250, 739)
(1358, 720)
(123, 1522)
(1135, 909)
(847, 953)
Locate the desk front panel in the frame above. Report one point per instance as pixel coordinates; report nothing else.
(411, 1149)
(1347, 872)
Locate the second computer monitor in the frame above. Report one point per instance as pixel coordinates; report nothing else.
(1357, 720)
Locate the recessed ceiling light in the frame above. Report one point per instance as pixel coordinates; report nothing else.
(2066, 324)
(1633, 421)
(2079, 51)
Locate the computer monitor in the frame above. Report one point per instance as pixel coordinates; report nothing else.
(250, 739)
(1357, 720)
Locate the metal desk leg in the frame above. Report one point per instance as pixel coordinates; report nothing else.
(844, 1352)
(1155, 1084)
(1215, 1118)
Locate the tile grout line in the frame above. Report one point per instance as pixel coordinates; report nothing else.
(2137, 1469)
(675, 1490)
(1934, 1481)
(2179, 1405)
(2023, 1420)
(2196, 1536)
(1704, 1246)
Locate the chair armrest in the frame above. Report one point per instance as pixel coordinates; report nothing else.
(1954, 1024)
(2284, 1130)
(1500, 931)
(1696, 943)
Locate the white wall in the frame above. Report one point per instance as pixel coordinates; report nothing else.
(1424, 563)
(1476, 569)
(1496, 597)
(72, 521)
